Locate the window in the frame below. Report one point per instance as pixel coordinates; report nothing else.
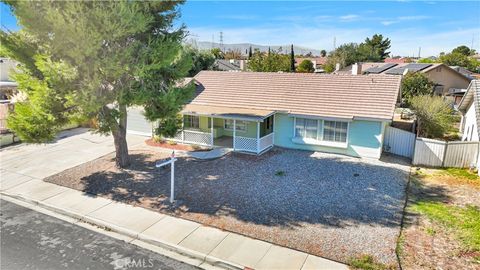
(191, 121)
(306, 128)
(335, 131)
(241, 125)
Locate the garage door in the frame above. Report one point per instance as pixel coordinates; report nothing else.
(137, 124)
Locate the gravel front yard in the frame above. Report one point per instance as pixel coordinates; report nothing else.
(328, 205)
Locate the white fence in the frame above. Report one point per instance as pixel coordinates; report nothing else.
(434, 153)
(193, 137)
(266, 142)
(399, 142)
(245, 144)
(252, 144)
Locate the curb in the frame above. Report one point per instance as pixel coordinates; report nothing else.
(182, 251)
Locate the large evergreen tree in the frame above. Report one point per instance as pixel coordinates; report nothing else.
(292, 59)
(93, 60)
(377, 47)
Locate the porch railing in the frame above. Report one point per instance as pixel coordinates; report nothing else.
(265, 142)
(245, 144)
(252, 144)
(193, 137)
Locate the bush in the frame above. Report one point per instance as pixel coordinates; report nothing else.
(196, 147)
(158, 139)
(434, 116)
(306, 66)
(416, 84)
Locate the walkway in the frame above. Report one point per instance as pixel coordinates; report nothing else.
(212, 154)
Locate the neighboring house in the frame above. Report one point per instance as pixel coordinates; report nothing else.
(318, 62)
(469, 106)
(253, 111)
(448, 81)
(7, 89)
(7, 85)
(230, 65)
(400, 60)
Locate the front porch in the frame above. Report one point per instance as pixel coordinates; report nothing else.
(241, 131)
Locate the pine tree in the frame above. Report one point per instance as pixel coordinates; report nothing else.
(292, 59)
(250, 52)
(93, 60)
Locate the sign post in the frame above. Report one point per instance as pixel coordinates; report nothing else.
(172, 174)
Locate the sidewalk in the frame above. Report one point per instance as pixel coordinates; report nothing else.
(199, 245)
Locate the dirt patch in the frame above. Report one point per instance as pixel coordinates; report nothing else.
(329, 205)
(432, 243)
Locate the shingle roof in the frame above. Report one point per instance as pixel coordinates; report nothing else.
(227, 112)
(226, 65)
(337, 96)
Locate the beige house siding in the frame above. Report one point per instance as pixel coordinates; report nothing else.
(448, 78)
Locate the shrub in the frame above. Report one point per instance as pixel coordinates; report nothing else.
(306, 66)
(196, 147)
(434, 116)
(415, 84)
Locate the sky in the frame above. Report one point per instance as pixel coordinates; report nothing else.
(435, 26)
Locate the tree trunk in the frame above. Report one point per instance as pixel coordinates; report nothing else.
(122, 159)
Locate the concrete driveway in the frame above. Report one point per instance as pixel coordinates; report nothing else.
(23, 162)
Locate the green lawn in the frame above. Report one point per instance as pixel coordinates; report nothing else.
(463, 222)
(367, 262)
(462, 173)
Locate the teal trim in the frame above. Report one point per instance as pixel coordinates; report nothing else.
(364, 138)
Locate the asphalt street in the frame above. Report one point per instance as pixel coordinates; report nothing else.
(32, 240)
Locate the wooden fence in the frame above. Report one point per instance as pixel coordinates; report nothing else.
(434, 153)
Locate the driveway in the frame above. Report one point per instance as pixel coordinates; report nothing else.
(73, 147)
(331, 206)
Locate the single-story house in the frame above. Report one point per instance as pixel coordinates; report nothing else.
(253, 111)
(448, 81)
(230, 65)
(469, 106)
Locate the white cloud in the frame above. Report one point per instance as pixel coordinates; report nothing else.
(404, 19)
(388, 22)
(349, 17)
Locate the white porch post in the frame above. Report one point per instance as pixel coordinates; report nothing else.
(211, 130)
(273, 130)
(183, 128)
(258, 137)
(234, 132)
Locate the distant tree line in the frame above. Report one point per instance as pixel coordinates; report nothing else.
(374, 49)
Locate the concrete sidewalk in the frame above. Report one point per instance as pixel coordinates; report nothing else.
(199, 245)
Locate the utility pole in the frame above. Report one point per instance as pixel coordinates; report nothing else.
(419, 51)
(334, 42)
(221, 41)
(471, 47)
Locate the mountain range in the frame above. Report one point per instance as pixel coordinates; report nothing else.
(243, 47)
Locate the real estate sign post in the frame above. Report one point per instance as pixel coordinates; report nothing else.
(172, 173)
